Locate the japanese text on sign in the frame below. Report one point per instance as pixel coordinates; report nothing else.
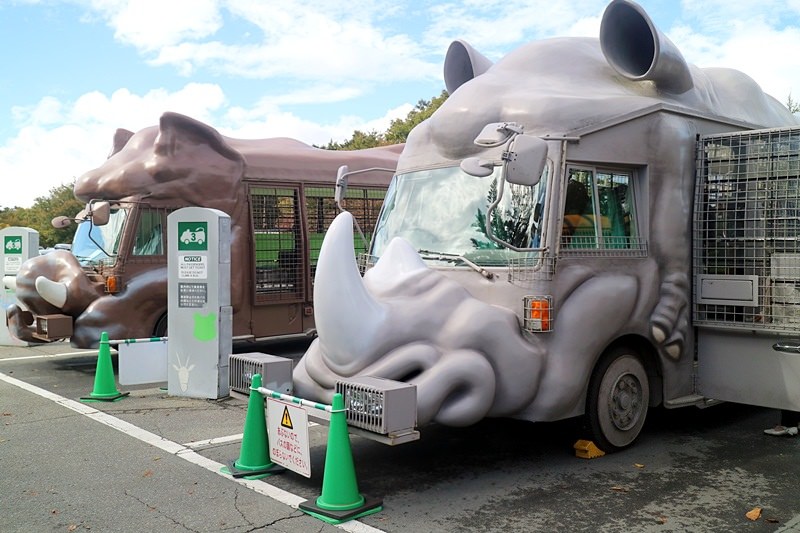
(288, 436)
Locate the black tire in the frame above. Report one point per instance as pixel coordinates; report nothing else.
(619, 396)
(160, 329)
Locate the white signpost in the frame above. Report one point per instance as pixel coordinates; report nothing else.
(287, 427)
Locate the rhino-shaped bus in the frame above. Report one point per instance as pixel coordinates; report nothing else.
(279, 193)
(586, 227)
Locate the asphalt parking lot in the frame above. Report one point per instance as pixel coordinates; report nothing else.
(151, 462)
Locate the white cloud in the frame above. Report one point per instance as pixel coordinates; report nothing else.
(268, 120)
(494, 27)
(153, 24)
(293, 39)
(58, 141)
(749, 43)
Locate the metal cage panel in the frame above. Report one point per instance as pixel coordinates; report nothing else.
(746, 240)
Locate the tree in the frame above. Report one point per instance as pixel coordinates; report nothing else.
(60, 201)
(793, 106)
(398, 129)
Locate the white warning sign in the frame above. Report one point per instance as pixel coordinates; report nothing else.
(192, 266)
(287, 428)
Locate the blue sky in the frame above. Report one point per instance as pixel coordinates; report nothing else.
(73, 71)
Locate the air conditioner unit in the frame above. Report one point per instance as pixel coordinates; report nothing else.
(276, 372)
(379, 405)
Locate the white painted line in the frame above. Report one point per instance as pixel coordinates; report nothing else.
(212, 442)
(184, 452)
(45, 356)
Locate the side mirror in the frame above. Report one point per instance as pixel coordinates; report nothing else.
(525, 160)
(101, 212)
(341, 184)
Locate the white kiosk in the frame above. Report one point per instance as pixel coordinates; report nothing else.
(19, 245)
(200, 322)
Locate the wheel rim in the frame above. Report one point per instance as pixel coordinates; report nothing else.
(625, 402)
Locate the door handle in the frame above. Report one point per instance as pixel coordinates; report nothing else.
(788, 347)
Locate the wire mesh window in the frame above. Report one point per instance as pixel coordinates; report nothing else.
(321, 209)
(746, 229)
(276, 229)
(149, 238)
(599, 212)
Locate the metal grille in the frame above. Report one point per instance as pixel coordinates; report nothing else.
(537, 313)
(365, 262)
(523, 268)
(276, 229)
(610, 247)
(275, 371)
(746, 241)
(363, 204)
(379, 405)
(526, 268)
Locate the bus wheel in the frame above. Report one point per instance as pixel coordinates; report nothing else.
(619, 395)
(160, 330)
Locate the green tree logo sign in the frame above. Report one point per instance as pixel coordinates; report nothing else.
(192, 236)
(13, 244)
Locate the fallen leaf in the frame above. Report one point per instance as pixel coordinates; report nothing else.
(147, 473)
(638, 465)
(72, 527)
(619, 489)
(661, 519)
(754, 514)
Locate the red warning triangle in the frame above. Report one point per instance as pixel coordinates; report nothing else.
(286, 420)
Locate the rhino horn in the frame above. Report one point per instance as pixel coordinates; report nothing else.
(349, 320)
(52, 292)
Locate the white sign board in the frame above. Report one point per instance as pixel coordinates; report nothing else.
(287, 428)
(141, 363)
(193, 266)
(12, 264)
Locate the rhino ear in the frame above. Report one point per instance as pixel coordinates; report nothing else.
(174, 129)
(461, 64)
(121, 138)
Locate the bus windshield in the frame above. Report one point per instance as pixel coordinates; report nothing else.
(443, 211)
(98, 245)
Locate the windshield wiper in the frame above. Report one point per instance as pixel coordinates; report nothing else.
(444, 256)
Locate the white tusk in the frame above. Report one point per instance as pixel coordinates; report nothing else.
(51, 291)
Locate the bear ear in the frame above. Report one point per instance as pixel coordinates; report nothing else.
(461, 64)
(174, 129)
(121, 138)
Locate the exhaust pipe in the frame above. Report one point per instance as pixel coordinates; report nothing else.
(636, 49)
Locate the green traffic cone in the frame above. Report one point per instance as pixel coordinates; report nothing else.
(105, 388)
(254, 461)
(340, 500)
